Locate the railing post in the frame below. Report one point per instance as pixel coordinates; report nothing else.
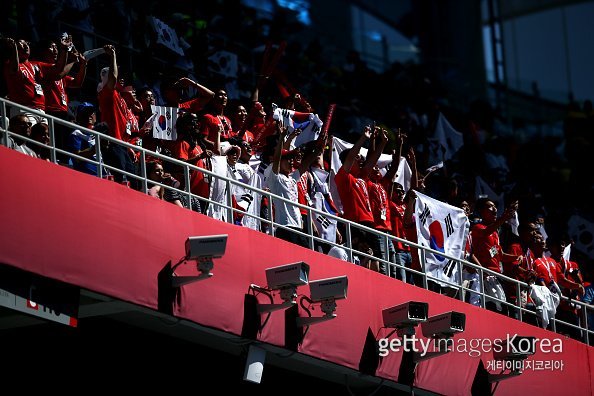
(310, 228)
(52, 140)
(271, 213)
(461, 280)
(482, 284)
(187, 187)
(423, 262)
(585, 309)
(99, 156)
(519, 301)
(348, 242)
(143, 171)
(229, 198)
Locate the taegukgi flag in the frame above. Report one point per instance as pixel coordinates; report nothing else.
(163, 121)
(309, 123)
(444, 228)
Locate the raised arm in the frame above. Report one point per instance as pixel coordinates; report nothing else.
(203, 93)
(276, 159)
(412, 162)
(112, 76)
(13, 56)
(354, 152)
(82, 72)
(374, 155)
(389, 176)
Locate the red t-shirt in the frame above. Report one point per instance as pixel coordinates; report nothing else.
(486, 248)
(546, 269)
(380, 207)
(355, 197)
(198, 184)
(24, 87)
(114, 112)
(56, 99)
(396, 216)
(212, 124)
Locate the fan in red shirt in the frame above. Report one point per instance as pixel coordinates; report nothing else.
(115, 113)
(23, 78)
(351, 185)
(215, 121)
(190, 148)
(485, 238)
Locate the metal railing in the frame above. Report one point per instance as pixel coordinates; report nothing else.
(422, 278)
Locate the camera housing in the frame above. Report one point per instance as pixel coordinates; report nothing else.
(444, 325)
(408, 314)
(206, 247)
(295, 274)
(329, 288)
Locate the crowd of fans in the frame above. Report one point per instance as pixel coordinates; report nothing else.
(242, 141)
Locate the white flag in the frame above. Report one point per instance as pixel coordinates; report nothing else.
(403, 174)
(164, 120)
(166, 36)
(446, 141)
(444, 228)
(309, 123)
(567, 252)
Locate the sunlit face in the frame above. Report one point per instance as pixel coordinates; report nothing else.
(157, 173)
(375, 174)
(232, 157)
(147, 98)
(489, 212)
(465, 206)
(220, 98)
(240, 115)
(287, 165)
(24, 49)
(22, 126)
(398, 196)
(52, 52)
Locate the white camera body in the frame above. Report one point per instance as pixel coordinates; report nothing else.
(206, 247)
(408, 314)
(444, 325)
(295, 274)
(329, 288)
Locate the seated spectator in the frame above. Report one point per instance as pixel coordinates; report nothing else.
(82, 142)
(21, 125)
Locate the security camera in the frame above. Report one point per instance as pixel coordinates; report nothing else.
(444, 325)
(329, 288)
(289, 275)
(516, 348)
(206, 247)
(405, 315)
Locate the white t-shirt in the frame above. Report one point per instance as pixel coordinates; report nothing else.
(339, 253)
(286, 187)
